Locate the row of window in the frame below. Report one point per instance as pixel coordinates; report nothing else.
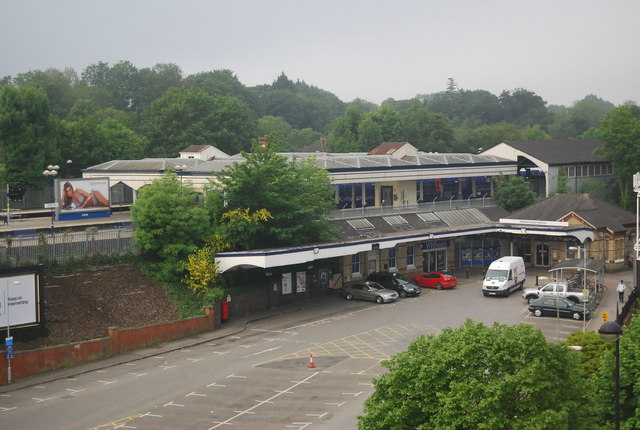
(601, 169)
(393, 256)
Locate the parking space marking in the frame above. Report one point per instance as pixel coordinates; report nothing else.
(367, 345)
(269, 400)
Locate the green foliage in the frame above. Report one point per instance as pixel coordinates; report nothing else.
(168, 226)
(479, 377)
(629, 380)
(259, 183)
(593, 350)
(562, 187)
(191, 117)
(620, 132)
(513, 193)
(28, 135)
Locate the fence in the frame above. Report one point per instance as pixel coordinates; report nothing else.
(27, 247)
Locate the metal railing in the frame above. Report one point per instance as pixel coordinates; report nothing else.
(64, 246)
(433, 206)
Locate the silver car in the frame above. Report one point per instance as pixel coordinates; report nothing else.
(370, 291)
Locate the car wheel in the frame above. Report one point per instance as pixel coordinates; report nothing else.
(530, 299)
(577, 316)
(379, 300)
(574, 300)
(349, 296)
(537, 313)
(439, 286)
(403, 294)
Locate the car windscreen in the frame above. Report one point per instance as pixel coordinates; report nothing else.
(376, 287)
(497, 274)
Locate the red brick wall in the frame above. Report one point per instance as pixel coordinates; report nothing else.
(42, 360)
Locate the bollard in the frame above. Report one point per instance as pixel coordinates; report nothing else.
(451, 270)
(537, 281)
(467, 272)
(484, 271)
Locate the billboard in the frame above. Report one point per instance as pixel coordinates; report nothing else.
(81, 195)
(20, 300)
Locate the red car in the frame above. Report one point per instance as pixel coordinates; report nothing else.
(436, 280)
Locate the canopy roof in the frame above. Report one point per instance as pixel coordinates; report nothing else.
(594, 266)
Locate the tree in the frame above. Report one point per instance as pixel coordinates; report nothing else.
(524, 107)
(345, 130)
(604, 380)
(513, 193)
(479, 377)
(620, 132)
(28, 135)
(168, 226)
(58, 85)
(296, 194)
(191, 117)
(429, 132)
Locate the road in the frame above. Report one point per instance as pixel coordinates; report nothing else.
(263, 377)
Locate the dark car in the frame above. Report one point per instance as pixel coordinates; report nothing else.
(369, 291)
(438, 280)
(552, 306)
(403, 286)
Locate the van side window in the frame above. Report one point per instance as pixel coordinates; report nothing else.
(510, 275)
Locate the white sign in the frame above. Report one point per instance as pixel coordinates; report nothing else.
(18, 304)
(637, 246)
(50, 205)
(286, 283)
(301, 282)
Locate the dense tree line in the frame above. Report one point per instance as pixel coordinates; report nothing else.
(119, 111)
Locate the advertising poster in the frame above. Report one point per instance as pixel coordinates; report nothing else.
(286, 283)
(301, 282)
(18, 300)
(323, 278)
(83, 195)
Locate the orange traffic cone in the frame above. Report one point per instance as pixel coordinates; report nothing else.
(311, 361)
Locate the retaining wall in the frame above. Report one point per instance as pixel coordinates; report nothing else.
(28, 363)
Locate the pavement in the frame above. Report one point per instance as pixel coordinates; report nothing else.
(318, 307)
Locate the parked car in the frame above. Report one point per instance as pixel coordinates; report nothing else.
(403, 286)
(370, 291)
(554, 289)
(439, 280)
(552, 306)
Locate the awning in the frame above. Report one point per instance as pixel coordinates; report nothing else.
(594, 266)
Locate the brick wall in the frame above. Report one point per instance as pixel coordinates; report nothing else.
(28, 363)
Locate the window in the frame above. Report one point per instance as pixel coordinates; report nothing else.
(392, 258)
(355, 264)
(410, 255)
(572, 171)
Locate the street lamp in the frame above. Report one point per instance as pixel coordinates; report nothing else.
(636, 246)
(180, 168)
(583, 252)
(51, 172)
(8, 342)
(611, 332)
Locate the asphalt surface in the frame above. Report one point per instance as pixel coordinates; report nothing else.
(319, 307)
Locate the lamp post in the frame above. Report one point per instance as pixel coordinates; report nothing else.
(51, 172)
(181, 168)
(611, 332)
(8, 342)
(636, 246)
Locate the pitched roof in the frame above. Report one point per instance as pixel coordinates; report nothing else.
(595, 212)
(555, 152)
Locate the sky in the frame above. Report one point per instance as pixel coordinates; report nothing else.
(563, 50)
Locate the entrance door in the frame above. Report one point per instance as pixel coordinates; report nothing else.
(542, 254)
(386, 194)
(435, 261)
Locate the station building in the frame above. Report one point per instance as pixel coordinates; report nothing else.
(400, 209)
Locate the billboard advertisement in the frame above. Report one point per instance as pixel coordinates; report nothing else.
(20, 300)
(82, 196)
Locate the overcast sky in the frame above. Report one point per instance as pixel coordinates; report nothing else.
(562, 50)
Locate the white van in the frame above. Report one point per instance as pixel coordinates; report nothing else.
(503, 276)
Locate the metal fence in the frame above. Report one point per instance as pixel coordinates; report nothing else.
(64, 246)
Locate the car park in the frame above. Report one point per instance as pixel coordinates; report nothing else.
(403, 286)
(369, 291)
(438, 280)
(558, 306)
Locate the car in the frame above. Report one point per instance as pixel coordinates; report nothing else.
(370, 291)
(552, 306)
(438, 280)
(403, 286)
